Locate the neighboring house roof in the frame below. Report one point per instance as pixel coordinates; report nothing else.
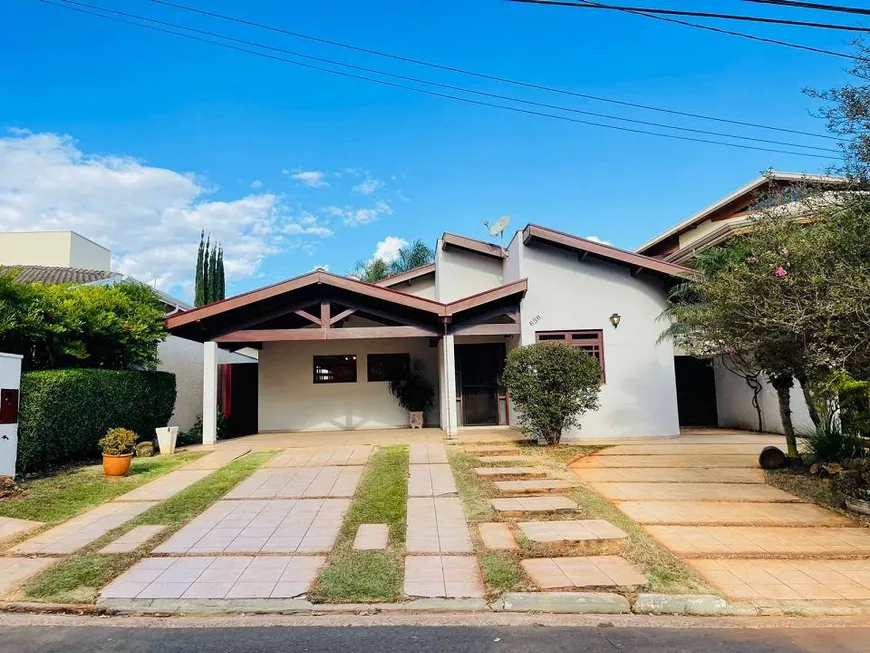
(588, 248)
(744, 193)
(173, 304)
(410, 275)
(52, 275)
(492, 250)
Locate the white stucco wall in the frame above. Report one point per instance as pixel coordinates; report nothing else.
(422, 287)
(735, 410)
(291, 401)
(460, 274)
(640, 397)
(52, 248)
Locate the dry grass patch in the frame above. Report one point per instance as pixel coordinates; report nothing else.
(813, 489)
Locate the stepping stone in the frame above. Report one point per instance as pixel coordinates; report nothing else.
(132, 540)
(723, 513)
(166, 486)
(427, 454)
(670, 475)
(299, 483)
(322, 456)
(216, 578)
(371, 537)
(676, 448)
(531, 487)
(216, 459)
(497, 460)
(763, 541)
(437, 525)
(14, 571)
(493, 449)
(583, 572)
(431, 481)
(449, 577)
(692, 492)
(691, 462)
(518, 506)
(511, 472)
(497, 535)
(11, 527)
(80, 531)
(594, 536)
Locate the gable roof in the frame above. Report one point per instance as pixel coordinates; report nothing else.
(743, 192)
(55, 274)
(484, 248)
(410, 275)
(535, 233)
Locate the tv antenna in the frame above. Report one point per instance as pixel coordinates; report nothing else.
(497, 228)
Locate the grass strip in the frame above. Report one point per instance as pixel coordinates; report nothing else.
(474, 491)
(370, 576)
(61, 496)
(78, 578)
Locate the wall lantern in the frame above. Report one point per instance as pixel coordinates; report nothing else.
(615, 319)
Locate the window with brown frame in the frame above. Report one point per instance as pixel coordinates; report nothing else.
(387, 367)
(590, 341)
(335, 369)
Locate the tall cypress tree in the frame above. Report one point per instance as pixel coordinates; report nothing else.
(206, 280)
(199, 288)
(222, 284)
(213, 274)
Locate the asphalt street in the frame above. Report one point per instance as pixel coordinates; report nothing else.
(411, 639)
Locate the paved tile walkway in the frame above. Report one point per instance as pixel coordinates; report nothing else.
(371, 537)
(267, 526)
(674, 460)
(217, 578)
(84, 529)
(510, 472)
(692, 492)
(428, 454)
(522, 505)
(167, 485)
(497, 535)
(10, 527)
(679, 448)
(437, 525)
(299, 482)
(322, 456)
(132, 539)
(431, 481)
(217, 459)
(571, 531)
(534, 486)
(443, 576)
(582, 572)
(788, 579)
(670, 475)
(498, 460)
(726, 513)
(763, 541)
(14, 571)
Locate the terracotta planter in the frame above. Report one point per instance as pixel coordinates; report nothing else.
(416, 419)
(117, 465)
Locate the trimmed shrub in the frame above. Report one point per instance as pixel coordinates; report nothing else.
(64, 413)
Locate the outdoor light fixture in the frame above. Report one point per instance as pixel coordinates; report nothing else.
(615, 319)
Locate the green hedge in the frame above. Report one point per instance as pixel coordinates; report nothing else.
(64, 412)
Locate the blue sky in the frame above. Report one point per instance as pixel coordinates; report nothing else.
(138, 138)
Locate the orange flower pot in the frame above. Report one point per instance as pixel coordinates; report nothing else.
(117, 465)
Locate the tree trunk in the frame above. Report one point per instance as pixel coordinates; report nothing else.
(811, 404)
(783, 385)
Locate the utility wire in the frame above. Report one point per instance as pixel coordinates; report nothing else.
(701, 14)
(479, 75)
(449, 87)
(264, 55)
(813, 5)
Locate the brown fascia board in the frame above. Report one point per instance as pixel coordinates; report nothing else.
(491, 295)
(608, 252)
(472, 245)
(410, 275)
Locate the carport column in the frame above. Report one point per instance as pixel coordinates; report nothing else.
(209, 392)
(449, 420)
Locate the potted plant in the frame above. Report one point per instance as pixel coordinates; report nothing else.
(117, 446)
(414, 392)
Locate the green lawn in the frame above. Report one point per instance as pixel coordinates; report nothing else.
(370, 576)
(56, 498)
(78, 578)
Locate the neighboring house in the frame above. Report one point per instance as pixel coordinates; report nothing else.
(56, 257)
(329, 344)
(709, 394)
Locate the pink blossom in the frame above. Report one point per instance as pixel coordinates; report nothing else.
(752, 259)
(785, 251)
(781, 271)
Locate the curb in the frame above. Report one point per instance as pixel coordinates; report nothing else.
(563, 603)
(697, 605)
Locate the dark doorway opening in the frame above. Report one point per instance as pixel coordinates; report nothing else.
(696, 391)
(238, 397)
(478, 379)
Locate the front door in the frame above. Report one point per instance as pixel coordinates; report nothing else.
(478, 375)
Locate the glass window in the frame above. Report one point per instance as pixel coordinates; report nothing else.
(335, 369)
(589, 340)
(387, 367)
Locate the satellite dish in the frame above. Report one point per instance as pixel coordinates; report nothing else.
(497, 227)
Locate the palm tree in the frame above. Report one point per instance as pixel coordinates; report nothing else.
(409, 257)
(371, 271)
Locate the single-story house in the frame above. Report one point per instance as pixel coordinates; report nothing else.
(327, 343)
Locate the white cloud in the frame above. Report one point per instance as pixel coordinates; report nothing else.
(388, 249)
(149, 217)
(311, 178)
(367, 187)
(596, 239)
(256, 184)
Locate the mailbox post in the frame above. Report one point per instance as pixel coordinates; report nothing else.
(10, 380)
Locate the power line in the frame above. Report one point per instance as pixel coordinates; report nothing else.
(701, 14)
(451, 87)
(423, 91)
(813, 5)
(479, 75)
